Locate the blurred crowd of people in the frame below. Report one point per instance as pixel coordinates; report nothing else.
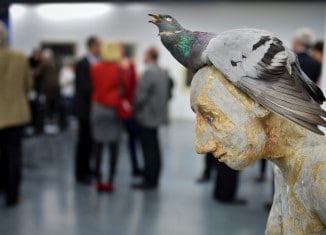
(101, 92)
(110, 98)
(51, 97)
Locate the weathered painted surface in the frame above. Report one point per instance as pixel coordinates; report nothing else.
(238, 132)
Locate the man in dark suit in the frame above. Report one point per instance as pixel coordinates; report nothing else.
(82, 107)
(302, 42)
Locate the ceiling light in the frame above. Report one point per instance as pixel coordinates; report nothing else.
(72, 11)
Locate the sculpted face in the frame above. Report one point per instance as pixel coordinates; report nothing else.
(226, 120)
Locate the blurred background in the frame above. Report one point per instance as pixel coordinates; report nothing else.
(65, 156)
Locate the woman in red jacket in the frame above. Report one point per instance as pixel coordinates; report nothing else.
(108, 80)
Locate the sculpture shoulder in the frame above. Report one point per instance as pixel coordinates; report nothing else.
(318, 181)
(314, 149)
(319, 188)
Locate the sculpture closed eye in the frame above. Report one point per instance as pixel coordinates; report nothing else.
(209, 119)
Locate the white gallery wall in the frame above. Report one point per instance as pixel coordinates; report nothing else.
(129, 22)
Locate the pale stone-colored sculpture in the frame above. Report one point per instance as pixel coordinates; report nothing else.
(238, 131)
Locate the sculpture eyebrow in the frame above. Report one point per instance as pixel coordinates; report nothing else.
(203, 108)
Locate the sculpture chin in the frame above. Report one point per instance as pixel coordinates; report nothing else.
(221, 156)
(235, 162)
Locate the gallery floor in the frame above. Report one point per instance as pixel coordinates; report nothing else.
(54, 204)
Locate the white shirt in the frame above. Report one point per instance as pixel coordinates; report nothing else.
(91, 59)
(67, 80)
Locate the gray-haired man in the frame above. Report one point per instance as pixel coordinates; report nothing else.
(150, 111)
(302, 41)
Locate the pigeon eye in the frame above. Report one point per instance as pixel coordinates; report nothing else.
(168, 19)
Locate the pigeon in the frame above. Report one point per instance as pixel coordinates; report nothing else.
(255, 61)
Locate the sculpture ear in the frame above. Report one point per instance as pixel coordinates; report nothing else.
(260, 111)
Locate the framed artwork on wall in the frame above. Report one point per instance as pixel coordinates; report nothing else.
(61, 49)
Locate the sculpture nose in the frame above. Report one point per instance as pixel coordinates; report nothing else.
(207, 147)
(204, 141)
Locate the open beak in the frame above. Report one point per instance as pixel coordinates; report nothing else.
(155, 19)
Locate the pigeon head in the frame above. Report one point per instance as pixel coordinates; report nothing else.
(166, 23)
(186, 46)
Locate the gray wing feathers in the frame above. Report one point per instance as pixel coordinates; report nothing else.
(304, 112)
(310, 86)
(270, 74)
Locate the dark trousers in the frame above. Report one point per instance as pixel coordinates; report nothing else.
(65, 112)
(152, 155)
(226, 183)
(84, 150)
(37, 110)
(113, 159)
(263, 167)
(52, 106)
(209, 164)
(130, 127)
(10, 162)
(34, 111)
